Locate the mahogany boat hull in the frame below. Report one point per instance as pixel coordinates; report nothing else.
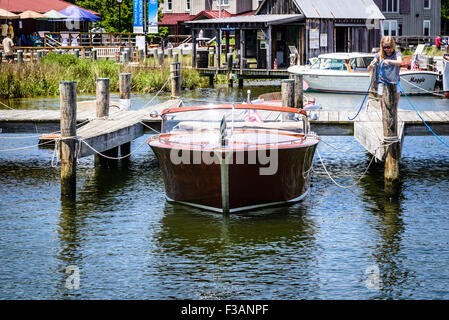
(253, 183)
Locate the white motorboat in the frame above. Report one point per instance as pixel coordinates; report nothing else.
(348, 73)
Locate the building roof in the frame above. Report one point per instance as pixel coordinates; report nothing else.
(211, 14)
(267, 19)
(173, 18)
(337, 9)
(340, 9)
(40, 6)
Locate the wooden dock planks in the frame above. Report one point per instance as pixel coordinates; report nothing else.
(119, 128)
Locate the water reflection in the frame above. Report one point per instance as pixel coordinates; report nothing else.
(71, 250)
(386, 253)
(239, 256)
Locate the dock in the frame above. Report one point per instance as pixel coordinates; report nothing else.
(103, 127)
(366, 128)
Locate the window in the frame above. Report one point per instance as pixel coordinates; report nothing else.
(427, 4)
(223, 2)
(187, 5)
(329, 64)
(390, 5)
(169, 5)
(426, 27)
(390, 28)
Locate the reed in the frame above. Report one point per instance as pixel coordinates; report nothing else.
(42, 79)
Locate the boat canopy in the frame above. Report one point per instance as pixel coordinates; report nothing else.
(210, 117)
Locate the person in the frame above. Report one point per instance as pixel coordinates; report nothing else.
(438, 42)
(11, 30)
(8, 45)
(4, 30)
(390, 62)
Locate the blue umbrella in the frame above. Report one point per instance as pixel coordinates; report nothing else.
(78, 14)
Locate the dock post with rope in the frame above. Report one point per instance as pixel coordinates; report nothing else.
(68, 141)
(390, 126)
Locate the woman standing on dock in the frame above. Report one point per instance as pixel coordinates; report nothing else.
(389, 61)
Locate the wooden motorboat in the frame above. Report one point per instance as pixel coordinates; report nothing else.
(234, 157)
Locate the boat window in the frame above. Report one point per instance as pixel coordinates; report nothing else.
(329, 64)
(360, 63)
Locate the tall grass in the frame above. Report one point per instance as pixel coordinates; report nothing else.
(42, 79)
(434, 51)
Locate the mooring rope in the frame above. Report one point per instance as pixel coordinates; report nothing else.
(335, 182)
(109, 157)
(386, 142)
(6, 106)
(343, 151)
(149, 127)
(414, 108)
(160, 90)
(26, 147)
(366, 95)
(422, 89)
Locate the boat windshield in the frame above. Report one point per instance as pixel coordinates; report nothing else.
(329, 64)
(236, 118)
(360, 63)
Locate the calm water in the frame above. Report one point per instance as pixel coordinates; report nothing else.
(127, 242)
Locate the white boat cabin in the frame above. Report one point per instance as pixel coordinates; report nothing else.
(352, 62)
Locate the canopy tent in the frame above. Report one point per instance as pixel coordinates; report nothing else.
(5, 14)
(54, 15)
(29, 14)
(78, 14)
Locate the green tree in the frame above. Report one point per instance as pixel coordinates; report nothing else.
(444, 15)
(109, 11)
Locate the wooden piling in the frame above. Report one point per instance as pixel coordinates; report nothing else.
(390, 126)
(141, 55)
(102, 110)
(211, 81)
(175, 57)
(68, 143)
(102, 97)
(175, 74)
(19, 56)
(94, 54)
(299, 91)
(40, 54)
(229, 57)
(160, 57)
(125, 90)
(288, 93)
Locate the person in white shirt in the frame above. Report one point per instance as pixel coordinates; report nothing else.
(8, 45)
